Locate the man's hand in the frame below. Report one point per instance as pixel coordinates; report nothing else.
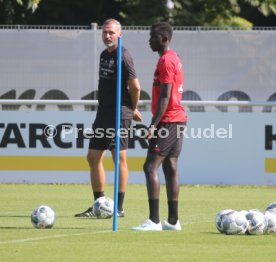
(137, 116)
(151, 130)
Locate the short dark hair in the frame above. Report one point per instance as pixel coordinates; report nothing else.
(164, 29)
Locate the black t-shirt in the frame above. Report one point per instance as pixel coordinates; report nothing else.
(108, 83)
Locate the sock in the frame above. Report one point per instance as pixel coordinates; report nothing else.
(98, 195)
(121, 196)
(173, 211)
(154, 210)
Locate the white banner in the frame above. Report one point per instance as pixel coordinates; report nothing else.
(219, 148)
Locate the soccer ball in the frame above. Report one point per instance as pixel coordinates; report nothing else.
(257, 222)
(43, 217)
(271, 206)
(219, 217)
(244, 212)
(270, 216)
(233, 223)
(103, 207)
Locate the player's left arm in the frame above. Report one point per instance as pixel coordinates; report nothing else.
(133, 84)
(134, 91)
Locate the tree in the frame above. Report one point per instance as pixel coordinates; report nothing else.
(217, 13)
(128, 12)
(72, 12)
(244, 13)
(143, 12)
(260, 13)
(16, 11)
(194, 12)
(266, 7)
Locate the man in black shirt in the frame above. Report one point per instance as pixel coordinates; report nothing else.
(105, 121)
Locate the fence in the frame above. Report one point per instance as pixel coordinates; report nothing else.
(61, 62)
(230, 79)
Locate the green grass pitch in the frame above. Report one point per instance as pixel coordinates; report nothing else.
(73, 239)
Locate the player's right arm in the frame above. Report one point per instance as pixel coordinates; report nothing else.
(162, 104)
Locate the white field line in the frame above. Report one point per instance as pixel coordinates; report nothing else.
(24, 240)
(16, 241)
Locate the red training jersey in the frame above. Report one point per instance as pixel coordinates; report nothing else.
(169, 70)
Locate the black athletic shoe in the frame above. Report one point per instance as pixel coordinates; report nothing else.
(86, 214)
(120, 213)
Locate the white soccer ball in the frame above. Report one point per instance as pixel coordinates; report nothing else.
(270, 216)
(244, 212)
(257, 222)
(271, 206)
(234, 223)
(43, 217)
(219, 217)
(103, 207)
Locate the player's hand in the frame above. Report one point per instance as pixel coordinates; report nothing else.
(151, 130)
(137, 116)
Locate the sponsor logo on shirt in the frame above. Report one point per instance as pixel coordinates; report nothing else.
(111, 63)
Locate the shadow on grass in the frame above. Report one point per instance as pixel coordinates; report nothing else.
(228, 235)
(211, 233)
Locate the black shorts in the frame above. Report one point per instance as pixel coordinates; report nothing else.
(167, 139)
(104, 131)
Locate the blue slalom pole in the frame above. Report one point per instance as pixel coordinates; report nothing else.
(117, 137)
